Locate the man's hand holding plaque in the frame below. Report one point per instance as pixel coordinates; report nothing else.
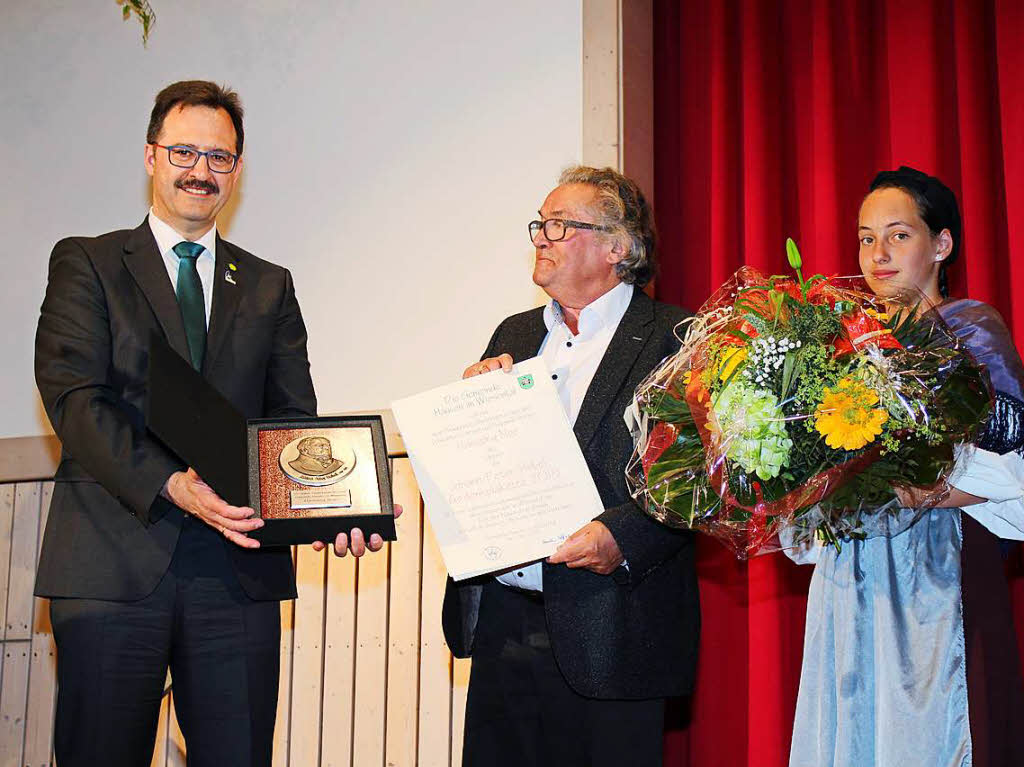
(186, 490)
(357, 545)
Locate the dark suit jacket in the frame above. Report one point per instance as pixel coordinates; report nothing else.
(632, 634)
(110, 535)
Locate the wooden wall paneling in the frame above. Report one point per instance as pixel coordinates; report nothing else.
(435, 663)
(460, 685)
(175, 739)
(308, 658)
(13, 700)
(18, 624)
(45, 496)
(24, 544)
(160, 748)
(42, 690)
(339, 664)
(371, 658)
(404, 621)
(284, 695)
(366, 631)
(6, 523)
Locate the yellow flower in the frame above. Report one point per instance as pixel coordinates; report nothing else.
(731, 359)
(847, 417)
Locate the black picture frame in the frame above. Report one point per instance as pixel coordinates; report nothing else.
(320, 526)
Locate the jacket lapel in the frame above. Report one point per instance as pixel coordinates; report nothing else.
(627, 343)
(143, 261)
(527, 344)
(228, 283)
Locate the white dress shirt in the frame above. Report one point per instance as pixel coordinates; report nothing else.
(166, 238)
(573, 361)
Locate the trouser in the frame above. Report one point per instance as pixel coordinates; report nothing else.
(222, 649)
(521, 712)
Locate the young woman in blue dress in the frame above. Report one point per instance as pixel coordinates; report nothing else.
(910, 656)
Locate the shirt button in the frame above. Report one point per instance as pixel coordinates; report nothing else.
(519, 574)
(568, 343)
(554, 376)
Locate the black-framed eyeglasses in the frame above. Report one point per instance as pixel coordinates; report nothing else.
(217, 160)
(555, 228)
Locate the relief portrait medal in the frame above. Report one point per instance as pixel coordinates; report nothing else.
(315, 461)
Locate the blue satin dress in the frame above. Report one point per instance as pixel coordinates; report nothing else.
(893, 675)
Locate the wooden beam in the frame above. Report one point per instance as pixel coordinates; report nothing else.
(601, 124)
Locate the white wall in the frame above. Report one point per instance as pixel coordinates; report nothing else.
(394, 152)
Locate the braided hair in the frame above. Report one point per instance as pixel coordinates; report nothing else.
(936, 204)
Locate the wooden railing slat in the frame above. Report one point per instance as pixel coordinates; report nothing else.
(370, 693)
(308, 658)
(282, 726)
(13, 702)
(6, 523)
(404, 622)
(434, 748)
(24, 542)
(42, 691)
(160, 749)
(339, 665)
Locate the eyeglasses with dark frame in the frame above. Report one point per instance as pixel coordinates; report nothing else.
(554, 228)
(217, 160)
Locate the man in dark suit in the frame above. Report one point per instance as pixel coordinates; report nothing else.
(146, 567)
(573, 657)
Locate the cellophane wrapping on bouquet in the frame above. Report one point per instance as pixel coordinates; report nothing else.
(799, 406)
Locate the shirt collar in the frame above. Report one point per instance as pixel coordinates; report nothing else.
(603, 312)
(166, 237)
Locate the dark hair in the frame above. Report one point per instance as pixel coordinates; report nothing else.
(936, 204)
(196, 93)
(621, 206)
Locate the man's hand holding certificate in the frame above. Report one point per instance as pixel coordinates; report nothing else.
(502, 475)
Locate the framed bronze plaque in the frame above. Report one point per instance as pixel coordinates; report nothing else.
(311, 478)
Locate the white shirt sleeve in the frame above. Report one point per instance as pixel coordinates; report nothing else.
(1000, 479)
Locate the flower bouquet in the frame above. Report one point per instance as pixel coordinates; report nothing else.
(802, 403)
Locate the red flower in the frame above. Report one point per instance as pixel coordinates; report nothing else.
(860, 329)
(663, 435)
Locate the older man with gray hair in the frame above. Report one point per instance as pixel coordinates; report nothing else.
(574, 656)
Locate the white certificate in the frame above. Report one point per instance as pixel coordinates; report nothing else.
(502, 475)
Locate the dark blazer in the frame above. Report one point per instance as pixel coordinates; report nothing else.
(632, 634)
(110, 535)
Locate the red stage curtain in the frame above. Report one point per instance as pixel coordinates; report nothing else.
(771, 118)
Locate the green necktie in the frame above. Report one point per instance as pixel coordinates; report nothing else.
(190, 299)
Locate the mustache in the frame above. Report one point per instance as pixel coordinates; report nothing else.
(198, 183)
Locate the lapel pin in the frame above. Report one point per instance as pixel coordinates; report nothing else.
(229, 277)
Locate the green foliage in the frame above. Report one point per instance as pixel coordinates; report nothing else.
(143, 10)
